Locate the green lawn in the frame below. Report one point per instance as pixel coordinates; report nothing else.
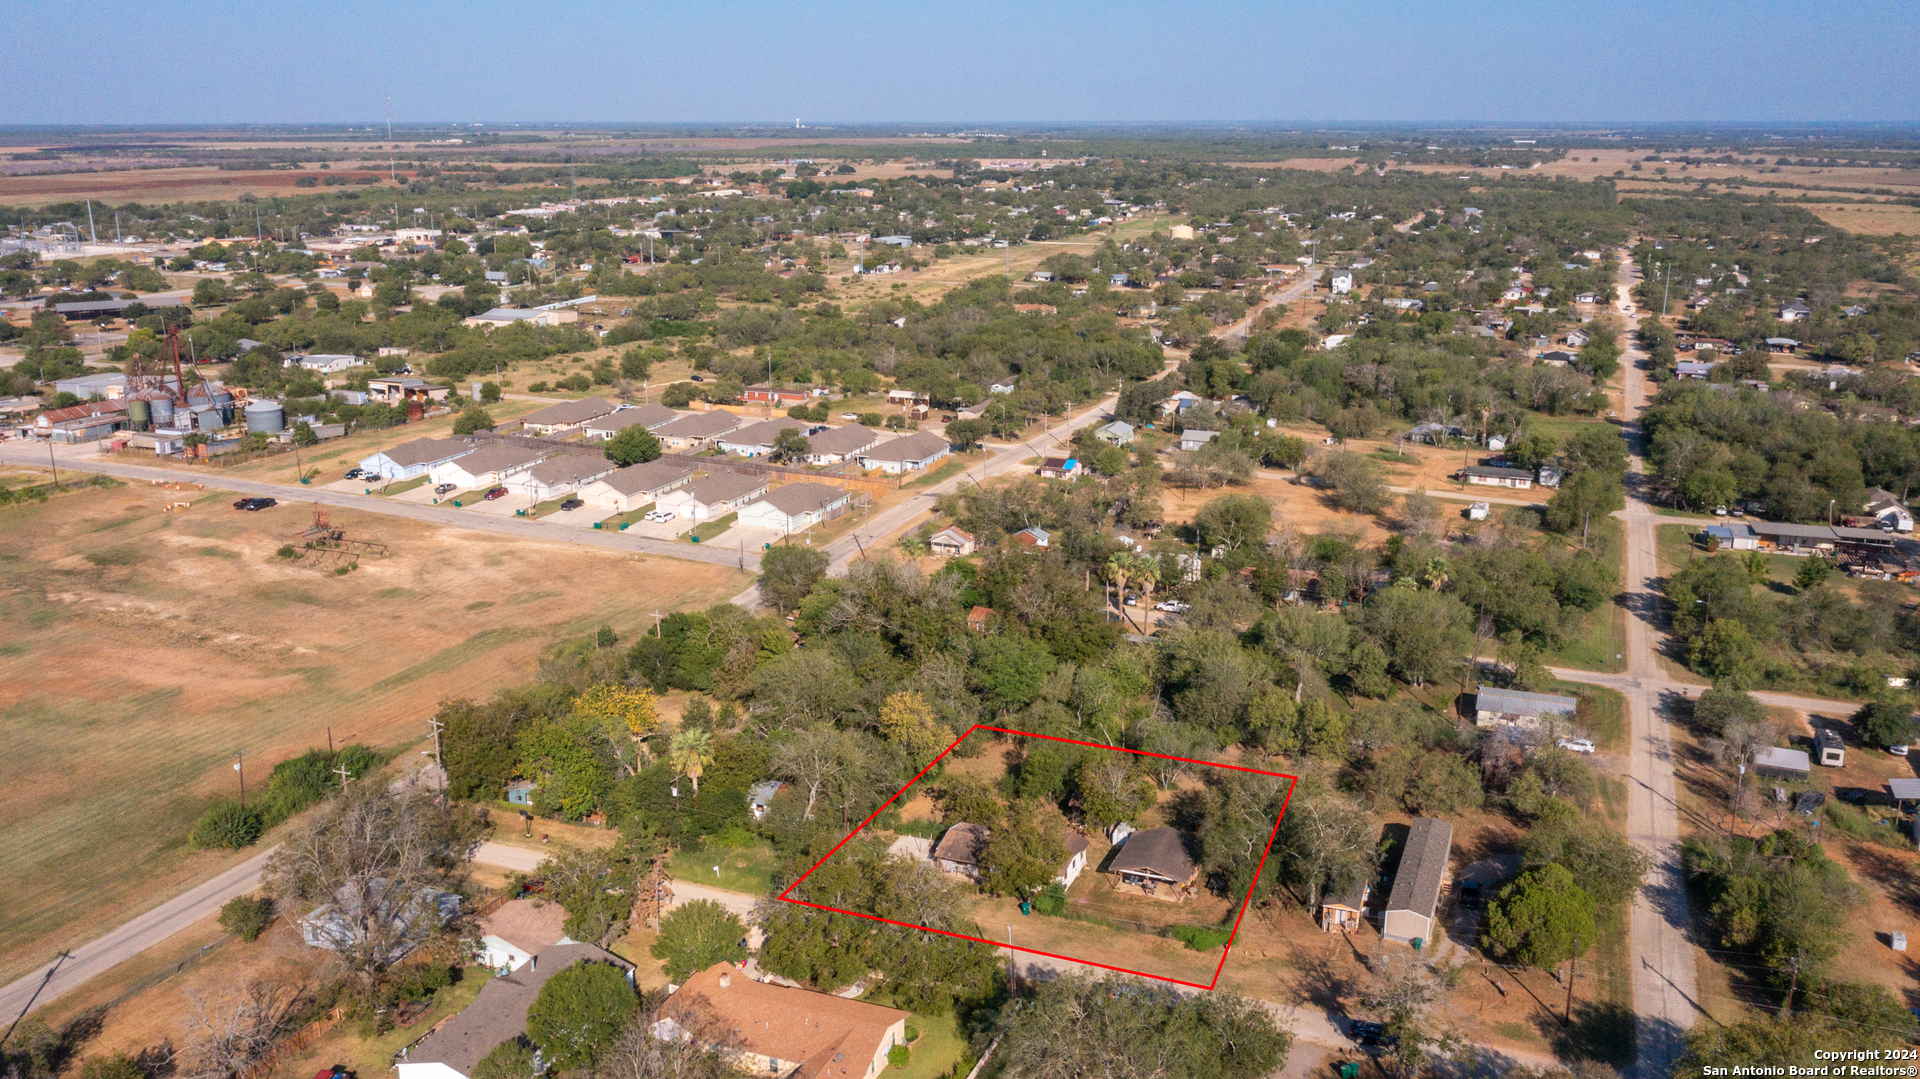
(613, 523)
(939, 1048)
(404, 486)
(953, 467)
(373, 1056)
(746, 869)
(1603, 713)
(1600, 644)
(707, 530)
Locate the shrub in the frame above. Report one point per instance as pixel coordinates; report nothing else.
(898, 1056)
(246, 917)
(227, 824)
(577, 383)
(1201, 938)
(1052, 902)
(537, 387)
(286, 551)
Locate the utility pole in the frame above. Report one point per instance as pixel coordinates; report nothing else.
(344, 776)
(434, 722)
(1573, 973)
(329, 741)
(53, 463)
(239, 765)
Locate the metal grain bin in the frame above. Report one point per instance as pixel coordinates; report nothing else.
(265, 417)
(140, 414)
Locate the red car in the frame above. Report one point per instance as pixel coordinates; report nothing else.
(497, 492)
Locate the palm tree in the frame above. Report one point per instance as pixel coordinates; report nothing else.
(1147, 572)
(1120, 567)
(690, 752)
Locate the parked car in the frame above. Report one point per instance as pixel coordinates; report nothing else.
(1365, 1032)
(572, 504)
(1898, 751)
(496, 492)
(443, 488)
(849, 416)
(1173, 606)
(1576, 745)
(699, 378)
(255, 505)
(354, 473)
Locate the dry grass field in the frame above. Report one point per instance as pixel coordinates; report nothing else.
(139, 651)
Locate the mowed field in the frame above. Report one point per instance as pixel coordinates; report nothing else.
(140, 651)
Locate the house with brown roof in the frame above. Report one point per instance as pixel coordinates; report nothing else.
(519, 930)
(645, 416)
(560, 475)
(777, 1031)
(695, 430)
(910, 453)
(836, 444)
(565, 416)
(490, 464)
(498, 1014)
(960, 849)
(758, 438)
(1156, 863)
(634, 486)
(715, 495)
(951, 542)
(795, 507)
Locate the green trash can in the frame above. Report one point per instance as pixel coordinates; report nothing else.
(624, 524)
(596, 524)
(1350, 1070)
(693, 537)
(1026, 907)
(306, 480)
(456, 503)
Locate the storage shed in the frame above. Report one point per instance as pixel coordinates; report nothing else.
(1782, 763)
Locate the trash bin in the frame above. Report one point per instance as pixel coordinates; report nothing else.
(1026, 907)
(624, 524)
(1350, 1070)
(456, 503)
(693, 537)
(306, 480)
(596, 524)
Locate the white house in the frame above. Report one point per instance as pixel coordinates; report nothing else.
(1885, 507)
(756, 439)
(836, 444)
(1076, 845)
(1117, 433)
(519, 930)
(1193, 440)
(634, 486)
(695, 430)
(795, 507)
(560, 475)
(1578, 338)
(416, 458)
(1492, 476)
(1795, 311)
(647, 417)
(327, 363)
(487, 466)
(566, 416)
(1340, 280)
(909, 453)
(715, 495)
(1005, 385)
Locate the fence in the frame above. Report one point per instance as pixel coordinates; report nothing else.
(301, 1038)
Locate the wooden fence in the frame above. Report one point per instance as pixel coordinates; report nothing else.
(301, 1038)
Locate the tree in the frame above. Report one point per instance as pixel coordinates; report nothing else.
(1358, 484)
(1022, 857)
(696, 935)
(791, 444)
(1813, 572)
(1582, 499)
(515, 1058)
(907, 720)
(1234, 521)
(626, 712)
(1885, 723)
(1423, 633)
(788, 573)
(246, 916)
(1077, 1025)
(472, 418)
(1542, 918)
(596, 886)
(967, 433)
(691, 752)
(1721, 708)
(633, 445)
(1326, 843)
(579, 1013)
(1726, 652)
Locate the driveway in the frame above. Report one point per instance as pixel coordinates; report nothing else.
(504, 506)
(423, 495)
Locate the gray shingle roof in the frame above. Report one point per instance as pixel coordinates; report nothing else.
(843, 440)
(647, 416)
(570, 468)
(725, 487)
(1159, 851)
(499, 1013)
(1488, 699)
(798, 498)
(427, 451)
(652, 476)
(917, 446)
(566, 412)
(1423, 865)
(699, 425)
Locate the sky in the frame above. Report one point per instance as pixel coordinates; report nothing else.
(984, 61)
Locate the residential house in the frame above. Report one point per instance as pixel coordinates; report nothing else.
(1340, 280)
(764, 394)
(499, 1014)
(1179, 401)
(560, 475)
(1417, 883)
(416, 458)
(1005, 385)
(836, 444)
(1156, 862)
(327, 363)
(1855, 311)
(1887, 508)
(1547, 476)
(415, 915)
(978, 618)
(795, 507)
(951, 542)
(1557, 358)
(491, 464)
(1343, 911)
(1795, 311)
(400, 390)
(1734, 537)
(959, 850)
(761, 795)
(1060, 468)
(1404, 305)
(715, 495)
(519, 930)
(1831, 748)
(566, 416)
(506, 316)
(1514, 708)
(696, 430)
(646, 417)
(909, 453)
(1076, 845)
(1494, 476)
(83, 422)
(1496, 443)
(1193, 439)
(776, 1031)
(1033, 537)
(1693, 369)
(1117, 433)
(1587, 297)
(904, 396)
(632, 487)
(756, 439)
(1577, 338)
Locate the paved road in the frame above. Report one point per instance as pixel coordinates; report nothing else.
(86, 458)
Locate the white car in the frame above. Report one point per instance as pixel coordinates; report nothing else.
(849, 415)
(1576, 745)
(1898, 751)
(1173, 606)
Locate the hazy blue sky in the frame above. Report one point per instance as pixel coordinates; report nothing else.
(160, 61)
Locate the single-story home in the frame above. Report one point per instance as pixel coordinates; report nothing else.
(1180, 401)
(1692, 369)
(566, 416)
(1157, 863)
(1076, 845)
(1033, 537)
(1060, 468)
(909, 453)
(327, 363)
(505, 316)
(1494, 476)
(1005, 385)
(519, 930)
(417, 914)
(1343, 911)
(561, 475)
(951, 542)
(1795, 311)
(959, 850)
(1734, 537)
(755, 439)
(714, 495)
(416, 458)
(645, 416)
(1117, 433)
(491, 464)
(499, 1014)
(1416, 886)
(634, 486)
(1557, 358)
(1577, 338)
(1886, 507)
(979, 618)
(795, 507)
(695, 430)
(773, 1030)
(390, 390)
(837, 444)
(1512, 707)
(1194, 439)
(774, 395)
(761, 796)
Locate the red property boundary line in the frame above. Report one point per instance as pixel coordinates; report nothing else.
(1245, 901)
